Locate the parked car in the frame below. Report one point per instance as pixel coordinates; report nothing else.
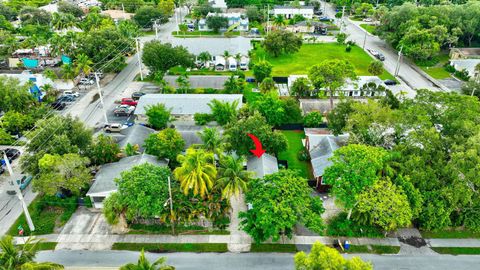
(325, 19)
(367, 20)
(113, 127)
(58, 105)
(71, 93)
(22, 183)
(11, 153)
(129, 101)
(86, 81)
(250, 80)
(123, 110)
(390, 82)
(377, 54)
(137, 95)
(66, 99)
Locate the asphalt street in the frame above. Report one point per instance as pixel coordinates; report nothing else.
(252, 261)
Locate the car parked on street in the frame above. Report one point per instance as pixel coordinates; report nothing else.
(377, 54)
(11, 153)
(86, 81)
(22, 183)
(123, 110)
(70, 93)
(66, 99)
(58, 105)
(113, 127)
(390, 82)
(137, 95)
(129, 101)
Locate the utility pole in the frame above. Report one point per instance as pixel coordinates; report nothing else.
(137, 41)
(156, 28)
(365, 39)
(171, 205)
(397, 68)
(97, 80)
(343, 14)
(268, 17)
(19, 194)
(176, 20)
(123, 8)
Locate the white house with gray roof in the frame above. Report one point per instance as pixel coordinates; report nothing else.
(104, 182)
(264, 165)
(183, 106)
(290, 11)
(467, 64)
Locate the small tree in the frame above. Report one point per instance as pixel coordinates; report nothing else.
(167, 143)
(301, 87)
(223, 112)
(217, 22)
(144, 264)
(261, 70)
(313, 120)
(279, 42)
(341, 38)
(267, 85)
(158, 116)
(104, 149)
(375, 68)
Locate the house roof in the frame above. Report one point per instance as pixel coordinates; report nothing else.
(104, 179)
(292, 7)
(467, 64)
(262, 166)
(321, 148)
(136, 134)
(184, 104)
(233, 45)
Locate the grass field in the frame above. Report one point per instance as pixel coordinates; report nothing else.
(202, 34)
(457, 250)
(184, 247)
(452, 233)
(311, 54)
(369, 27)
(294, 138)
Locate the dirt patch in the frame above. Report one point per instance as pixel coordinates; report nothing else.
(413, 241)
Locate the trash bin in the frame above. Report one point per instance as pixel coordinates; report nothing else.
(346, 245)
(336, 243)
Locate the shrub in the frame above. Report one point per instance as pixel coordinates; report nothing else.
(348, 48)
(303, 155)
(462, 75)
(449, 68)
(202, 118)
(340, 226)
(313, 120)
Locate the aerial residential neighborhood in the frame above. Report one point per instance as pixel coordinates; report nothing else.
(239, 134)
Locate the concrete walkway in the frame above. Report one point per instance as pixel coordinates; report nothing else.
(240, 241)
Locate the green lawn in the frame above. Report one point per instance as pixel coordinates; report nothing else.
(369, 27)
(311, 54)
(457, 250)
(294, 138)
(185, 247)
(373, 249)
(165, 229)
(452, 233)
(46, 245)
(436, 68)
(436, 72)
(283, 248)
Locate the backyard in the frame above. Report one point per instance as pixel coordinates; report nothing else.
(294, 138)
(311, 54)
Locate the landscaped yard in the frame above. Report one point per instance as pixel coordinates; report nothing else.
(369, 27)
(166, 229)
(437, 70)
(184, 247)
(311, 54)
(294, 138)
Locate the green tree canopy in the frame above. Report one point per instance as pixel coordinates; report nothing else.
(158, 116)
(161, 57)
(261, 70)
(104, 149)
(223, 112)
(282, 42)
(167, 143)
(279, 201)
(217, 22)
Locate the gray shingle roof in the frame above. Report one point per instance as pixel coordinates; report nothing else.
(184, 104)
(136, 134)
(321, 150)
(104, 179)
(262, 166)
(291, 7)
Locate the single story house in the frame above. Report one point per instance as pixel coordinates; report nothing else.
(467, 64)
(235, 45)
(321, 105)
(244, 60)
(264, 165)
(364, 86)
(183, 106)
(236, 22)
(134, 135)
(289, 11)
(464, 53)
(232, 63)
(309, 27)
(321, 145)
(104, 182)
(220, 63)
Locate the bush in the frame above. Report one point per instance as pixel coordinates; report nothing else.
(348, 48)
(449, 68)
(303, 155)
(313, 120)
(210, 91)
(462, 75)
(202, 119)
(340, 226)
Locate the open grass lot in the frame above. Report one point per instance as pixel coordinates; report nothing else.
(294, 138)
(184, 247)
(311, 54)
(370, 28)
(452, 233)
(48, 213)
(457, 250)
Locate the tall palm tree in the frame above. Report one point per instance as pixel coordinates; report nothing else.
(21, 256)
(68, 72)
(204, 57)
(212, 140)
(279, 20)
(144, 264)
(83, 64)
(232, 176)
(196, 172)
(226, 54)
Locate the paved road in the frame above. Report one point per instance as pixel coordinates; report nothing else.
(261, 261)
(413, 79)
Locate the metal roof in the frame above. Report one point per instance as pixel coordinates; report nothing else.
(262, 166)
(321, 150)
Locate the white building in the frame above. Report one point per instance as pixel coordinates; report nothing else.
(236, 22)
(232, 64)
(466, 64)
(289, 11)
(219, 4)
(220, 63)
(244, 60)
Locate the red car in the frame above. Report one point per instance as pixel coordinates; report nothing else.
(129, 101)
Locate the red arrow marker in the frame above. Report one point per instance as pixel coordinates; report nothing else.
(258, 145)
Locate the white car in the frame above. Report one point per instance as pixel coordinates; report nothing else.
(368, 20)
(123, 110)
(86, 81)
(71, 93)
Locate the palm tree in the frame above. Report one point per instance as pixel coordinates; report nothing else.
(212, 140)
(50, 74)
(144, 264)
(183, 82)
(204, 57)
(21, 256)
(279, 21)
(226, 54)
(83, 64)
(68, 72)
(197, 171)
(233, 178)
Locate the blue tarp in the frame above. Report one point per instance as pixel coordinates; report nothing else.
(36, 92)
(30, 63)
(66, 60)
